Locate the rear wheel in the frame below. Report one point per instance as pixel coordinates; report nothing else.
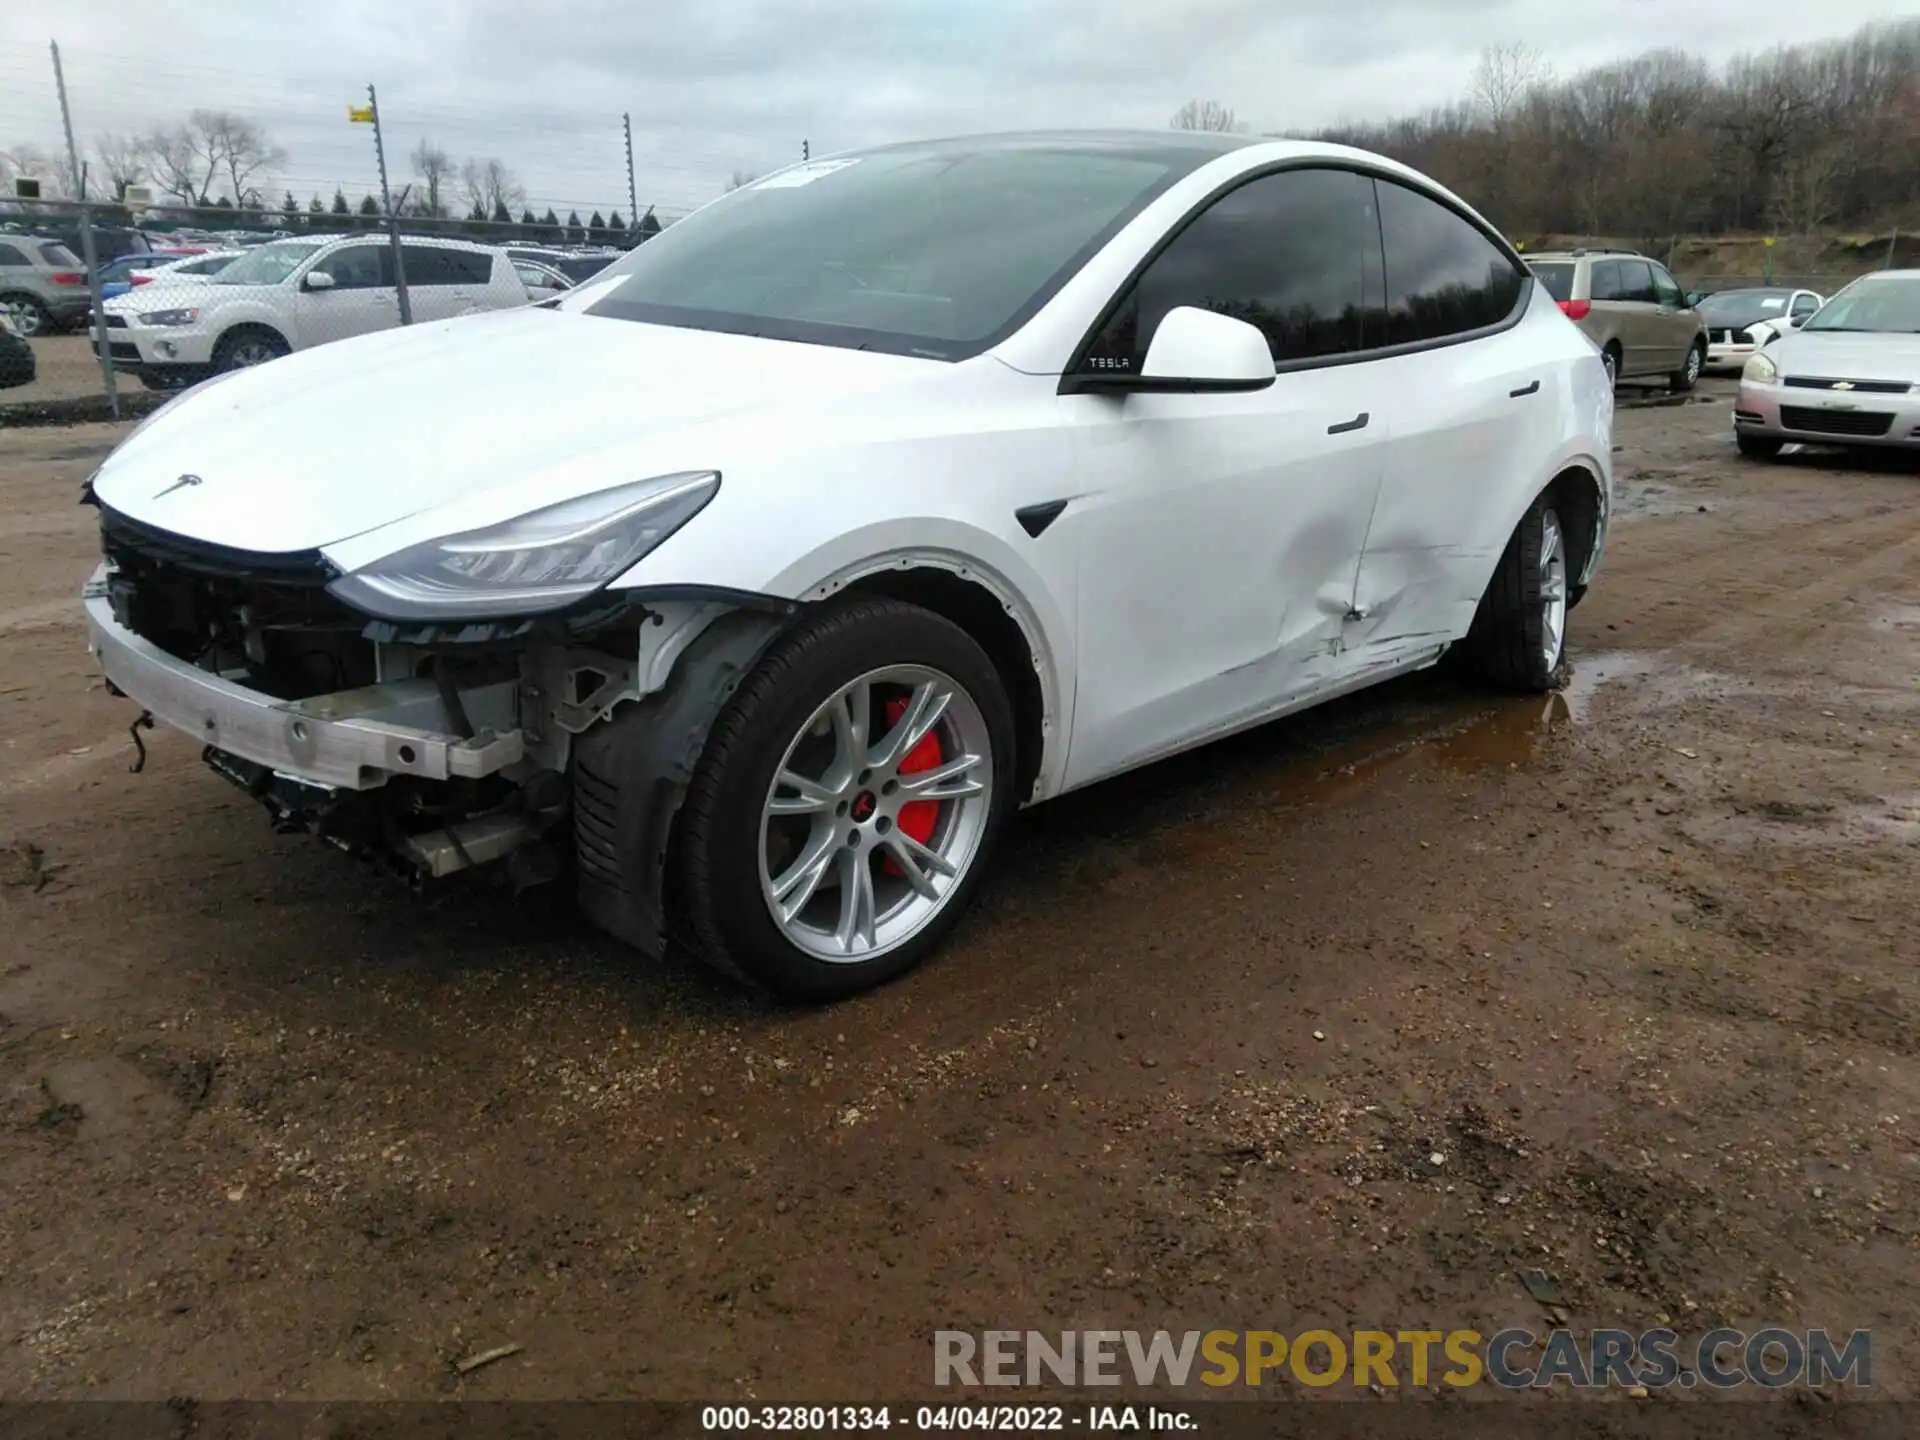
(30, 318)
(1758, 447)
(1518, 637)
(1688, 375)
(847, 802)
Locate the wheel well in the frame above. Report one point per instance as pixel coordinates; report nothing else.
(246, 327)
(975, 610)
(1576, 495)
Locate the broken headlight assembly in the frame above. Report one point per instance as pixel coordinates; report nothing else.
(538, 562)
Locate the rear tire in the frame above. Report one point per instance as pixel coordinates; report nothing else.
(1688, 375)
(1758, 447)
(855, 917)
(1518, 637)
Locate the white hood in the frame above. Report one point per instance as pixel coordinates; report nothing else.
(348, 437)
(1840, 355)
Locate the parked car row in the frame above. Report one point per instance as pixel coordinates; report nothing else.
(1633, 311)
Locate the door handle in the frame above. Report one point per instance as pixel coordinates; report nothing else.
(1358, 422)
(1532, 389)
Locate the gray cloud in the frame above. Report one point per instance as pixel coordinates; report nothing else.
(737, 84)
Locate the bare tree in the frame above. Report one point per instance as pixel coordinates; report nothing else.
(1807, 187)
(1208, 115)
(121, 161)
(32, 163)
(1504, 76)
(491, 187)
(435, 168)
(212, 146)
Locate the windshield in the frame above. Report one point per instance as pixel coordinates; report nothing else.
(1890, 306)
(937, 250)
(1557, 276)
(1736, 309)
(267, 265)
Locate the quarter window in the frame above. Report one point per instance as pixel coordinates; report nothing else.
(435, 265)
(1295, 254)
(1444, 277)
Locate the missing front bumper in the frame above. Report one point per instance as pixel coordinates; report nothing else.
(352, 740)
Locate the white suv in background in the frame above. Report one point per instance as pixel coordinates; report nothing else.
(294, 294)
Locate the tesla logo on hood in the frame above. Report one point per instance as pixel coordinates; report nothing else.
(180, 484)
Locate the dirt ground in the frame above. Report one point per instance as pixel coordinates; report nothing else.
(66, 368)
(1628, 959)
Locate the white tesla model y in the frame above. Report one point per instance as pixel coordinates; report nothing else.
(752, 584)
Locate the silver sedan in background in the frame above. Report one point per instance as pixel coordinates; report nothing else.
(1849, 376)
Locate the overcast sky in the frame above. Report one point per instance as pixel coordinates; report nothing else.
(717, 86)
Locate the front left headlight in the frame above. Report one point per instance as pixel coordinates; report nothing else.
(169, 317)
(541, 561)
(1760, 370)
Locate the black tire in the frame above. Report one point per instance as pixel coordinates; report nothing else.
(1758, 447)
(1688, 375)
(31, 318)
(1611, 358)
(716, 858)
(247, 340)
(1507, 642)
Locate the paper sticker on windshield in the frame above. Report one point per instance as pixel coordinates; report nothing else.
(804, 174)
(1772, 302)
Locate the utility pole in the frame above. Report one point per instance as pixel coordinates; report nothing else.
(386, 202)
(633, 199)
(86, 241)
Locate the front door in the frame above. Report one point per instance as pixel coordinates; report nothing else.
(361, 300)
(1219, 534)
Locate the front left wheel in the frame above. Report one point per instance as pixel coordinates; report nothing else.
(847, 802)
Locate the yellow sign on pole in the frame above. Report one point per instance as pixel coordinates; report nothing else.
(1768, 242)
(360, 114)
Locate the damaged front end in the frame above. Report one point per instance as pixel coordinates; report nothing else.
(427, 748)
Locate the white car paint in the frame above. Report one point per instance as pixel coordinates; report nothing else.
(1222, 557)
(302, 318)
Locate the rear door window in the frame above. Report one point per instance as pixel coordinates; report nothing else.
(11, 256)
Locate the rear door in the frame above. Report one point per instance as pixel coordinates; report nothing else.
(1475, 406)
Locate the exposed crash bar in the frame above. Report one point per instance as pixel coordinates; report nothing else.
(357, 753)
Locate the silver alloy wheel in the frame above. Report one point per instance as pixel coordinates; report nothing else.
(1612, 367)
(1553, 587)
(842, 878)
(1693, 364)
(250, 351)
(25, 316)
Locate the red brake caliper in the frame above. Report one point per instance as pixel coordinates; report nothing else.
(917, 819)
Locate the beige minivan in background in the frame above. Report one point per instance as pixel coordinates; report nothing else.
(1631, 308)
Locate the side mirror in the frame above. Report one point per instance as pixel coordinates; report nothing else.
(1193, 351)
(1196, 349)
(317, 280)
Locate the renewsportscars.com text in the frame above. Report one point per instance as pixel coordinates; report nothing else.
(1510, 1359)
